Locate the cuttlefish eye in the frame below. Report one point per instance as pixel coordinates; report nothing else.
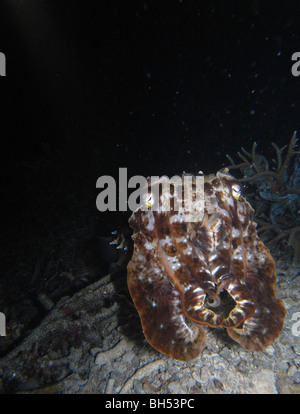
(236, 191)
(148, 200)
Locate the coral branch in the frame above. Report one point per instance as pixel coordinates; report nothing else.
(277, 193)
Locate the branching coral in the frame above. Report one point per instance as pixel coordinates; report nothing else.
(278, 189)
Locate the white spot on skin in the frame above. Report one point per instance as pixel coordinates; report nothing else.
(238, 253)
(151, 223)
(166, 240)
(141, 258)
(181, 240)
(235, 232)
(249, 257)
(187, 287)
(156, 270)
(150, 227)
(267, 311)
(148, 246)
(176, 219)
(261, 259)
(188, 251)
(175, 266)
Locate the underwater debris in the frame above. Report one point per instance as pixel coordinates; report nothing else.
(277, 194)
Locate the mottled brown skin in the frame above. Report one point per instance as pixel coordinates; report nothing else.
(179, 270)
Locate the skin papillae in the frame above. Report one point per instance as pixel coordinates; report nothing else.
(182, 272)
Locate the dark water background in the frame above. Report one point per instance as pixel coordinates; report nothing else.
(158, 87)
